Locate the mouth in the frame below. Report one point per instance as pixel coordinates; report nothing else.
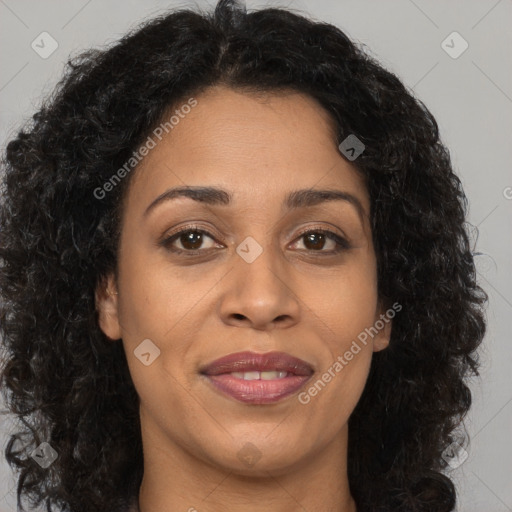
(255, 378)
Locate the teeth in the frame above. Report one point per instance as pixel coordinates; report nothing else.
(272, 375)
(250, 375)
(260, 375)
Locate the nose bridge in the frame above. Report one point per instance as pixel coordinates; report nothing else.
(260, 263)
(258, 241)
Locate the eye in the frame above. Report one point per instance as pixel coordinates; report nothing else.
(192, 238)
(315, 240)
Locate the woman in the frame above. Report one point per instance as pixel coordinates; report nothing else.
(235, 274)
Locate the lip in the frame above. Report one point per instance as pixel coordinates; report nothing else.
(258, 391)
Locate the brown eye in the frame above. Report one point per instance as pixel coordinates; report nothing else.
(316, 239)
(191, 240)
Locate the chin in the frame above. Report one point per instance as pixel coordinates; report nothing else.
(257, 455)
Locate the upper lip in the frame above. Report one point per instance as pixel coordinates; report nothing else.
(252, 361)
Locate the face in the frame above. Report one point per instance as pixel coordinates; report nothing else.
(206, 277)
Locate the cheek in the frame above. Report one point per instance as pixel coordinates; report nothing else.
(343, 311)
(332, 395)
(345, 304)
(156, 294)
(346, 320)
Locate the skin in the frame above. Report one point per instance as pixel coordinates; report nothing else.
(296, 297)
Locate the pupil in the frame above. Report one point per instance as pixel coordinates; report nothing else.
(189, 239)
(311, 237)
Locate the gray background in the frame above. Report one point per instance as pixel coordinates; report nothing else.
(470, 96)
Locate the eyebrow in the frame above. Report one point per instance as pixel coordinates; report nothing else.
(296, 199)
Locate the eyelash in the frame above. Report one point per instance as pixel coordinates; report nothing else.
(342, 243)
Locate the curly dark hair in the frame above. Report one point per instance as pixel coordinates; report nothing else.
(66, 384)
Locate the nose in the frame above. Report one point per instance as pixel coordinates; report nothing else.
(260, 294)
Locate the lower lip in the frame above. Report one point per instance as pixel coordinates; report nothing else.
(257, 391)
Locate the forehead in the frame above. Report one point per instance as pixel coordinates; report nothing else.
(259, 146)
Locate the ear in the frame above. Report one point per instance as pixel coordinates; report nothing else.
(383, 324)
(106, 299)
